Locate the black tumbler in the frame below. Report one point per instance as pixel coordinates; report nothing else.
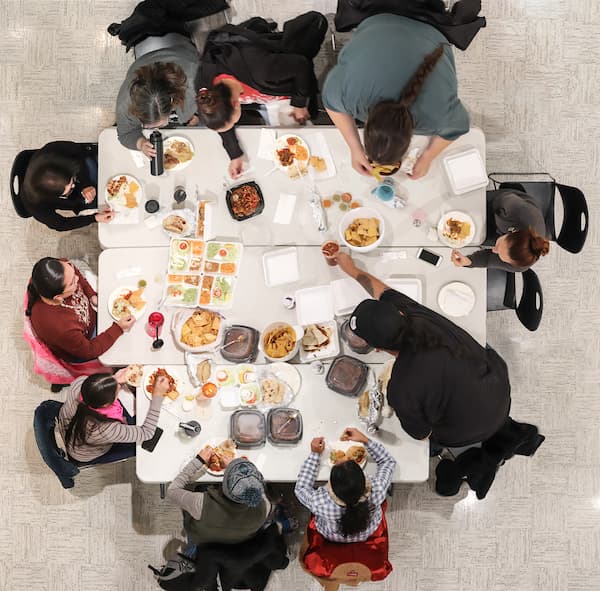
(156, 164)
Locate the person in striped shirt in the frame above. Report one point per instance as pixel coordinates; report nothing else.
(348, 508)
(94, 425)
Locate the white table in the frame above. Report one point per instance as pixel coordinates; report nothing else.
(324, 413)
(256, 305)
(207, 170)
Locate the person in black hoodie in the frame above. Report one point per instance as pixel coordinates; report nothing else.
(250, 63)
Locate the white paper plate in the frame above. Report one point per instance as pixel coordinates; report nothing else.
(281, 266)
(286, 373)
(125, 215)
(177, 138)
(137, 314)
(456, 299)
(187, 215)
(331, 350)
(314, 304)
(214, 442)
(460, 216)
(343, 446)
(150, 369)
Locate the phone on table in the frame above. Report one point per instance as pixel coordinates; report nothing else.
(150, 444)
(430, 257)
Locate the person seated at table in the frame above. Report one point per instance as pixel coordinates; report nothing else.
(63, 176)
(521, 231)
(348, 509)
(158, 90)
(228, 514)
(250, 64)
(444, 385)
(398, 76)
(94, 425)
(62, 308)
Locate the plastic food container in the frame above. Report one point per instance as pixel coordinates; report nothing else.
(284, 426)
(248, 428)
(347, 375)
(244, 351)
(230, 197)
(353, 341)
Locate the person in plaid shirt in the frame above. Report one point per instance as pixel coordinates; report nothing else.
(348, 508)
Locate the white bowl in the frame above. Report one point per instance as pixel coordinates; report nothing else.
(179, 319)
(361, 212)
(299, 334)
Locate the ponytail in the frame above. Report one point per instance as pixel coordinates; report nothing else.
(390, 125)
(525, 247)
(47, 280)
(349, 484)
(215, 107)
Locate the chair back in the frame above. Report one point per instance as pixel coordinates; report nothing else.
(531, 305)
(44, 421)
(154, 43)
(573, 232)
(17, 176)
(500, 290)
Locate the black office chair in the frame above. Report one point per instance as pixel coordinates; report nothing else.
(574, 228)
(17, 176)
(501, 295)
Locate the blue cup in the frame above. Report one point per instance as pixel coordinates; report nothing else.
(384, 192)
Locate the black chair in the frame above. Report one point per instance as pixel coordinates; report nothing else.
(501, 295)
(17, 176)
(574, 228)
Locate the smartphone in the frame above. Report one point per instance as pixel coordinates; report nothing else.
(429, 257)
(150, 444)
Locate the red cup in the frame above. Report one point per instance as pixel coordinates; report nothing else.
(154, 324)
(329, 250)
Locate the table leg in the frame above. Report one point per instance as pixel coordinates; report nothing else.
(163, 490)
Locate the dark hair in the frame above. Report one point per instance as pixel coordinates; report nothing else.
(97, 390)
(50, 178)
(47, 280)
(348, 483)
(525, 247)
(389, 126)
(155, 90)
(215, 107)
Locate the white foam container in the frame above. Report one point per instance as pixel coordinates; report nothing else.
(347, 294)
(281, 266)
(314, 304)
(410, 286)
(465, 171)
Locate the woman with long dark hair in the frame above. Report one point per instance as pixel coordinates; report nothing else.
(398, 76)
(349, 507)
(444, 385)
(61, 305)
(95, 426)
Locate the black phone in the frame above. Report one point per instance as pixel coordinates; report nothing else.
(150, 444)
(429, 257)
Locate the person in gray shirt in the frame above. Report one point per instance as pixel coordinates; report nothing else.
(399, 77)
(158, 88)
(521, 229)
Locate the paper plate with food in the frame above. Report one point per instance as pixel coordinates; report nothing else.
(125, 301)
(123, 192)
(320, 341)
(222, 450)
(134, 375)
(343, 451)
(361, 229)
(274, 391)
(150, 376)
(292, 155)
(200, 331)
(179, 223)
(288, 374)
(456, 229)
(279, 341)
(177, 153)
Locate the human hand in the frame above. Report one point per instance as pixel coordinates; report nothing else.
(235, 167)
(225, 461)
(206, 452)
(317, 445)
(352, 434)
(146, 147)
(421, 167)
(459, 259)
(300, 114)
(121, 375)
(345, 262)
(161, 386)
(105, 216)
(94, 300)
(126, 323)
(194, 121)
(360, 162)
(89, 194)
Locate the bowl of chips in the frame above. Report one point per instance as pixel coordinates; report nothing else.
(361, 229)
(279, 341)
(202, 330)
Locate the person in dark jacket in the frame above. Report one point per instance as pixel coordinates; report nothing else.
(521, 231)
(252, 64)
(62, 176)
(444, 385)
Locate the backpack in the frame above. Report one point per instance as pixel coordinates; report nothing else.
(176, 575)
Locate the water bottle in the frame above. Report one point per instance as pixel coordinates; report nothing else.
(156, 164)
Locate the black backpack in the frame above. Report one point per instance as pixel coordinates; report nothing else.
(176, 575)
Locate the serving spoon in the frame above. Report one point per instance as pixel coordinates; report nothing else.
(291, 416)
(240, 339)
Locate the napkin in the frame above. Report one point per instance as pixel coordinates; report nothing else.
(319, 147)
(127, 399)
(285, 209)
(138, 158)
(266, 144)
(152, 221)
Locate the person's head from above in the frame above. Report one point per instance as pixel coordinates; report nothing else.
(521, 248)
(348, 483)
(243, 483)
(155, 91)
(219, 106)
(53, 179)
(378, 323)
(99, 390)
(52, 280)
(389, 127)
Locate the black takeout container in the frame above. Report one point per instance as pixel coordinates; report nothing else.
(244, 352)
(257, 211)
(347, 375)
(356, 343)
(282, 429)
(248, 428)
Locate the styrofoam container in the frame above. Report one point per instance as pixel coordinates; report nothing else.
(314, 304)
(466, 171)
(281, 266)
(410, 286)
(347, 294)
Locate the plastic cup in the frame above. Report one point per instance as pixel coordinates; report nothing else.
(384, 192)
(152, 206)
(329, 250)
(154, 324)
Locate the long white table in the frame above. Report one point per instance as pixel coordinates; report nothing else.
(207, 170)
(256, 305)
(324, 413)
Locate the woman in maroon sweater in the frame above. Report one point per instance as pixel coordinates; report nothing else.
(62, 308)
